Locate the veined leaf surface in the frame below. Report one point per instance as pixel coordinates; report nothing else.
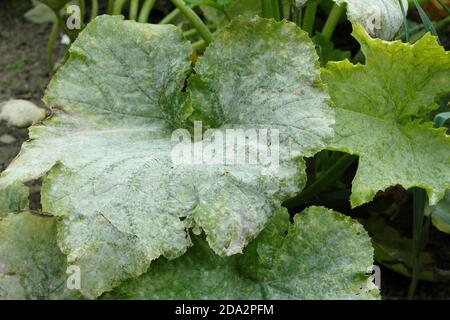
(381, 115)
(322, 255)
(105, 155)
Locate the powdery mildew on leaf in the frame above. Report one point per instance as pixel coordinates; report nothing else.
(380, 18)
(31, 264)
(322, 255)
(381, 115)
(105, 155)
(13, 198)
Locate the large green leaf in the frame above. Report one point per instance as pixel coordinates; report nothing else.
(31, 264)
(322, 255)
(381, 115)
(105, 155)
(380, 18)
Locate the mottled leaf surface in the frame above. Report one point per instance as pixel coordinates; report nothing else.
(322, 255)
(381, 115)
(105, 154)
(31, 264)
(13, 198)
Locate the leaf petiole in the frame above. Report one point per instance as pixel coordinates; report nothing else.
(194, 20)
(332, 21)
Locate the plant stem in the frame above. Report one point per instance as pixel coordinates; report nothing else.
(194, 20)
(145, 11)
(266, 8)
(199, 45)
(419, 196)
(94, 9)
(323, 180)
(109, 8)
(172, 15)
(439, 25)
(425, 20)
(310, 17)
(51, 43)
(118, 6)
(82, 4)
(134, 6)
(405, 21)
(297, 16)
(276, 10)
(272, 9)
(332, 21)
(281, 9)
(190, 33)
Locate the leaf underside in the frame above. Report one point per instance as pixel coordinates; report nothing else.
(380, 18)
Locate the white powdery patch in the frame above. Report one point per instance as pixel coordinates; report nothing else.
(21, 113)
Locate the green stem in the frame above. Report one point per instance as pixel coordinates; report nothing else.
(118, 6)
(325, 179)
(272, 9)
(82, 4)
(281, 9)
(193, 31)
(310, 17)
(190, 33)
(425, 20)
(109, 8)
(276, 10)
(266, 7)
(199, 45)
(147, 7)
(439, 25)
(134, 6)
(172, 15)
(332, 21)
(194, 20)
(51, 43)
(405, 21)
(94, 9)
(298, 16)
(419, 197)
(411, 2)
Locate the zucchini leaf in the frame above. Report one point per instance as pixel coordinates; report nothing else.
(382, 115)
(321, 255)
(31, 264)
(105, 154)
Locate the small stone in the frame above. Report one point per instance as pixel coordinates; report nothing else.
(7, 139)
(21, 113)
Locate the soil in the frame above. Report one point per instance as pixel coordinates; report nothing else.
(24, 74)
